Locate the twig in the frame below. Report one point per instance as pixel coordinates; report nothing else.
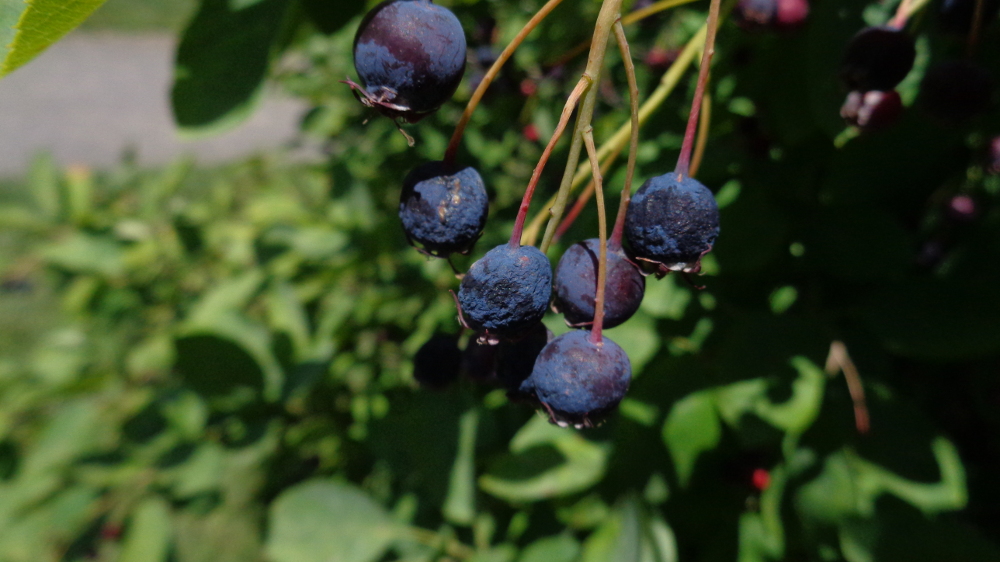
(840, 360)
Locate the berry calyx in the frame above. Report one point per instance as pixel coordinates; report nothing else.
(444, 210)
(877, 58)
(671, 222)
(577, 381)
(506, 292)
(410, 56)
(575, 285)
(872, 110)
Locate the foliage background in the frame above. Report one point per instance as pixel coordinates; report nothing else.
(216, 364)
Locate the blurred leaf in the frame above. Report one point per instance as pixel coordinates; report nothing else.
(222, 61)
(560, 548)
(87, 253)
(545, 461)
(330, 17)
(149, 531)
(460, 504)
(692, 427)
(793, 416)
(639, 339)
(40, 23)
(325, 521)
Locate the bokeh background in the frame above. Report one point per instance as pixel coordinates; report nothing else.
(208, 312)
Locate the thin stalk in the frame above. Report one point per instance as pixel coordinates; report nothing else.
(977, 24)
(904, 11)
(491, 74)
(580, 204)
(602, 222)
(684, 160)
(703, 127)
(606, 19)
(633, 148)
(567, 112)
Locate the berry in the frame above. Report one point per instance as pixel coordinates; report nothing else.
(445, 212)
(956, 16)
(777, 14)
(872, 110)
(578, 381)
(575, 285)
(956, 91)
(877, 58)
(516, 359)
(506, 291)
(672, 221)
(410, 56)
(479, 361)
(437, 362)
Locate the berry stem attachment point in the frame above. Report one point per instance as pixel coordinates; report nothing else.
(571, 102)
(602, 222)
(633, 147)
(684, 161)
(491, 74)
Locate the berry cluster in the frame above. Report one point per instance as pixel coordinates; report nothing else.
(410, 56)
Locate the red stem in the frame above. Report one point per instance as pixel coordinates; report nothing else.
(684, 160)
(567, 112)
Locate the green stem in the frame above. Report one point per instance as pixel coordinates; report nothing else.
(609, 14)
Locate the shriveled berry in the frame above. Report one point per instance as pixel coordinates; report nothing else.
(437, 362)
(877, 58)
(577, 381)
(872, 110)
(575, 285)
(956, 91)
(410, 56)
(955, 16)
(506, 291)
(444, 210)
(672, 221)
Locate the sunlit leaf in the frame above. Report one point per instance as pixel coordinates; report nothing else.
(39, 24)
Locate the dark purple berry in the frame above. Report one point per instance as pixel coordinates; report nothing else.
(479, 361)
(410, 56)
(872, 110)
(575, 285)
(506, 291)
(577, 381)
(877, 58)
(672, 221)
(444, 211)
(516, 359)
(956, 91)
(437, 362)
(956, 16)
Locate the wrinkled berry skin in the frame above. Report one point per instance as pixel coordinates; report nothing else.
(437, 362)
(877, 58)
(410, 56)
(577, 381)
(506, 291)
(955, 91)
(575, 285)
(445, 212)
(672, 221)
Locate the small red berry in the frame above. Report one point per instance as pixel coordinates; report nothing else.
(530, 132)
(761, 479)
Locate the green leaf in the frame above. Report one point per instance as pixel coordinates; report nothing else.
(324, 521)
(692, 428)
(149, 533)
(560, 548)
(40, 23)
(222, 61)
(460, 504)
(546, 461)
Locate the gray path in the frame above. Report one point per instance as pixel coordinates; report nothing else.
(91, 96)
